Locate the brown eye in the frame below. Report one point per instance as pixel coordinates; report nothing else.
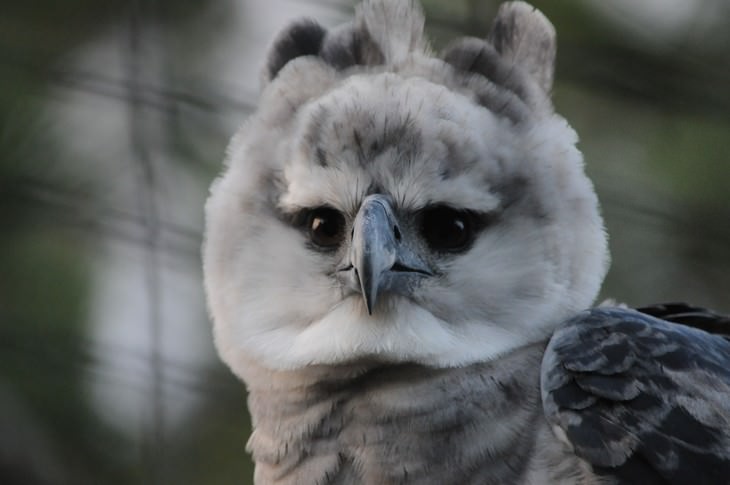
(447, 229)
(326, 227)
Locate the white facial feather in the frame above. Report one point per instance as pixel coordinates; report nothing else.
(416, 131)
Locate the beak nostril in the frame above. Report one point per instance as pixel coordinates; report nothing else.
(396, 233)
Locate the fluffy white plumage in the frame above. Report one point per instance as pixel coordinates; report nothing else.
(276, 301)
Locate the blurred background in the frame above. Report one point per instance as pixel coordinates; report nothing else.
(114, 118)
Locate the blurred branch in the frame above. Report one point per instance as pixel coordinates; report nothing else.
(179, 376)
(127, 90)
(680, 83)
(146, 181)
(83, 211)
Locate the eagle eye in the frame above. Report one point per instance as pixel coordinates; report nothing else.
(447, 229)
(326, 227)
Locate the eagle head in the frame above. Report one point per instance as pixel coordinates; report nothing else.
(385, 203)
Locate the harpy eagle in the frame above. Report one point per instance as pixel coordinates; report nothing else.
(400, 259)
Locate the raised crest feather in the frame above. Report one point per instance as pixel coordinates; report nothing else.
(526, 38)
(302, 38)
(396, 26)
(383, 32)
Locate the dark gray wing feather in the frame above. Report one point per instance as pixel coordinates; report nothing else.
(692, 316)
(643, 399)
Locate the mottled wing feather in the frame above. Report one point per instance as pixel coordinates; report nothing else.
(692, 316)
(642, 399)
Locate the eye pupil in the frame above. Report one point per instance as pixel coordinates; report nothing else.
(326, 227)
(446, 229)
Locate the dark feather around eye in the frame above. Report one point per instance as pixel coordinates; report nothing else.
(446, 229)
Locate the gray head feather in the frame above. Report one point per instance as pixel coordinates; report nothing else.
(395, 27)
(526, 38)
(366, 109)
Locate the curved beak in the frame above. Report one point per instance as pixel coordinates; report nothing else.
(380, 256)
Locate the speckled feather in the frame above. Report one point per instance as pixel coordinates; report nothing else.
(640, 398)
(387, 424)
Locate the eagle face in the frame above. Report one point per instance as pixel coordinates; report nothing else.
(400, 207)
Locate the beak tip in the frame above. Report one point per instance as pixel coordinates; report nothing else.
(369, 303)
(367, 296)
